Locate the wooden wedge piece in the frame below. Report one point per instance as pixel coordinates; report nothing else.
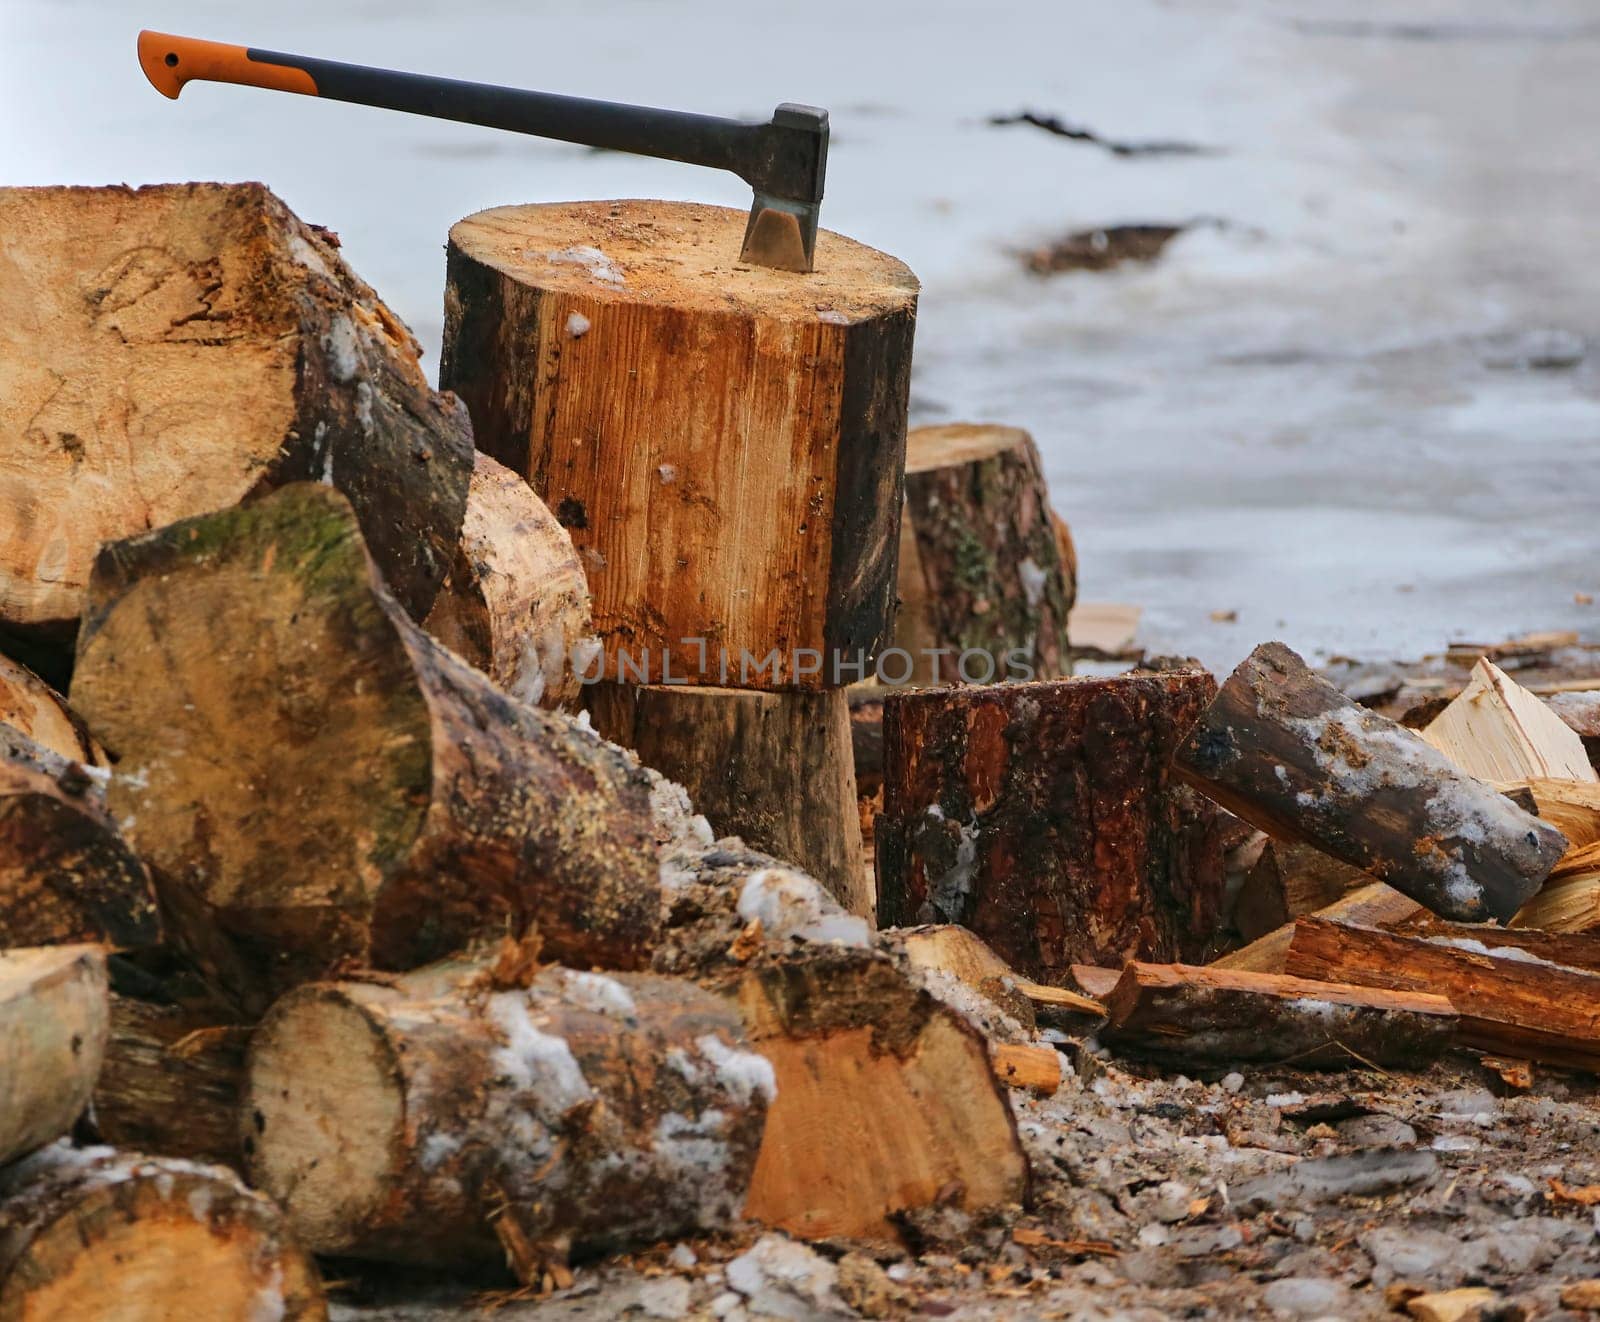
(1372, 905)
(1497, 730)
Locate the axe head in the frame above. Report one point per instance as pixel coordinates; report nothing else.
(787, 177)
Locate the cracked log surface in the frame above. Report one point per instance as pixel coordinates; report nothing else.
(1288, 752)
(1042, 817)
(312, 779)
(173, 349)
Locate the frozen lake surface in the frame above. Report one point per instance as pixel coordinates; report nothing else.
(1315, 410)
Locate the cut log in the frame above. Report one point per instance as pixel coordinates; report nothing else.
(53, 1017)
(102, 1234)
(516, 603)
(1290, 879)
(1041, 816)
(1372, 905)
(1181, 1014)
(1513, 1004)
(752, 541)
(1496, 730)
(775, 769)
(1033, 1068)
(437, 1118)
(984, 586)
(363, 795)
(953, 950)
(66, 873)
(1287, 751)
(170, 350)
(171, 1081)
(36, 711)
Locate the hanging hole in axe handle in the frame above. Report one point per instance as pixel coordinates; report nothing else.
(169, 62)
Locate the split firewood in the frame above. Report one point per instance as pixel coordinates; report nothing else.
(1372, 905)
(174, 349)
(442, 1119)
(1177, 1013)
(516, 603)
(97, 1233)
(53, 1023)
(954, 951)
(1104, 630)
(1577, 951)
(1096, 981)
(1287, 751)
(982, 575)
(33, 709)
(1571, 806)
(171, 1081)
(1290, 879)
(751, 542)
(1581, 712)
(313, 780)
(1568, 903)
(1041, 816)
(775, 769)
(1511, 1002)
(1496, 730)
(1036, 1069)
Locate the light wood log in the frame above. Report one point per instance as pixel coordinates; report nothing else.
(1041, 816)
(99, 1234)
(36, 711)
(1510, 1004)
(363, 795)
(1372, 905)
(173, 349)
(983, 572)
(53, 1025)
(1581, 712)
(516, 603)
(1288, 752)
(1287, 880)
(1496, 730)
(447, 1120)
(953, 950)
(170, 1083)
(723, 442)
(775, 769)
(1178, 1013)
(1036, 1069)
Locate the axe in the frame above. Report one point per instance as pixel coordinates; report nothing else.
(783, 160)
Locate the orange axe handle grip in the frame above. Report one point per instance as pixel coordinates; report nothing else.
(169, 62)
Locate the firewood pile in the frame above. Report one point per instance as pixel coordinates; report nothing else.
(342, 916)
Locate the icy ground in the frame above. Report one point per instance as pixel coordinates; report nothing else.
(1315, 411)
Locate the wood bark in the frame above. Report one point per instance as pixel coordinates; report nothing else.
(516, 603)
(762, 522)
(983, 575)
(173, 349)
(1372, 905)
(97, 1233)
(775, 769)
(66, 873)
(33, 709)
(1291, 754)
(441, 1117)
(1290, 879)
(1041, 816)
(1496, 730)
(53, 1023)
(1510, 1005)
(313, 780)
(171, 1082)
(1180, 1014)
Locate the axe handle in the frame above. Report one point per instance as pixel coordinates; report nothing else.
(725, 144)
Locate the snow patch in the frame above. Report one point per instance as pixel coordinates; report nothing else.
(592, 260)
(1033, 581)
(536, 1062)
(343, 348)
(600, 995)
(743, 1074)
(577, 325)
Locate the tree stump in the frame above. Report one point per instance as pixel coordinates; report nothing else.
(313, 780)
(1042, 817)
(516, 603)
(985, 579)
(773, 768)
(446, 1120)
(723, 442)
(103, 1234)
(173, 349)
(53, 1017)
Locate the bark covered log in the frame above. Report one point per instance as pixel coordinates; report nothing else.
(53, 1024)
(438, 1118)
(1042, 817)
(97, 1233)
(314, 780)
(763, 519)
(174, 349)
(516, 603)
(775, 769)
(984, 575)
(1288, 752)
